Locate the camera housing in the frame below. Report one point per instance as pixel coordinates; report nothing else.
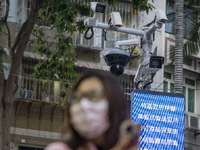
(161, 16)
(98, 7)
(117, 59)
(116, 19)
(156, 62)
(153, 64)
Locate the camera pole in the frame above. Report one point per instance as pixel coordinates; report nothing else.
(143, 79)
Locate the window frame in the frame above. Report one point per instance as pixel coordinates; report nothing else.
(169, 84)
(186, 28)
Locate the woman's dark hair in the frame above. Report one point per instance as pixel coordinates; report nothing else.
(117, 108)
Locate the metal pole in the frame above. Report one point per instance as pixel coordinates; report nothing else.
(119, 29)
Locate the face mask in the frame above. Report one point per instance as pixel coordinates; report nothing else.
(90, 119)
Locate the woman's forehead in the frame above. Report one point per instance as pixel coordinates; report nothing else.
(90, 84)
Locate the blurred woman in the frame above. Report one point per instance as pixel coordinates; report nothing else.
(99, 116)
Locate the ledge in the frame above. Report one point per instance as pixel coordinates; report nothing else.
(35, 101)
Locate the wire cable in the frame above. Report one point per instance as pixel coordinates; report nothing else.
(86, 32)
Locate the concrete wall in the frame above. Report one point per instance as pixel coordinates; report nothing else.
(36, 124)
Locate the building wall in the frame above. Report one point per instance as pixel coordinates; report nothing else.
(36, 124)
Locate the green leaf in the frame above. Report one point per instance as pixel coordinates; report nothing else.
(2, 52)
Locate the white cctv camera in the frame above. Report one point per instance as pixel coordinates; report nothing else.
(98, 7)
(135, 42)
(161, 16)
(116, 19)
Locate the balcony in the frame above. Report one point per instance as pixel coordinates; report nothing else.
(38, 91)
(34, 90)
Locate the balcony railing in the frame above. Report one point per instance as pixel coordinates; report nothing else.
(48, 91)
(31, 88)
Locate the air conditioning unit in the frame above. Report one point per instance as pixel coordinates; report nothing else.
(192, 121)
(95, 41)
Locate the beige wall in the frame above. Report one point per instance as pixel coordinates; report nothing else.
(36, 123)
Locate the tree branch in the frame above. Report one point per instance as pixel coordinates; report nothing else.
(18, 37)
(29, 23)
(24, 34)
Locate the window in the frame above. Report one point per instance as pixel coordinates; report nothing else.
(169, 26)
(2, 9)
(27, 83)
(32, 88)
(165, 86)
(189, 82)
(23, 10)
(171, 87)
(191, 94)
(167, 75)
(98, 40)
(188, 22)
(128, 86)
(188, 91)
(126, 15)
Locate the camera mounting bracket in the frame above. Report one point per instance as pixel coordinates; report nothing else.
(147, 41)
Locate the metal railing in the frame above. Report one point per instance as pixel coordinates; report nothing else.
(31, 88)
(47, 90)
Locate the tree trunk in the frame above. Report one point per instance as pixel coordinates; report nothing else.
(178, 81)
(21, 43)
(1, 108)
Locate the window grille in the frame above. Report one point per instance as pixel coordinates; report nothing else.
(125, 10)
(2, 9)
(23, 10)
(188, 91)
(189, 81)
(126, 15)
(32, 88)
(188, 22)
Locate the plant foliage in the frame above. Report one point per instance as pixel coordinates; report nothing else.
(60, 17)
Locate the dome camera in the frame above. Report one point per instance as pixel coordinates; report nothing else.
(117, 59)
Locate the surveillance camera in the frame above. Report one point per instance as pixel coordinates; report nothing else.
(161, 16)
(153, 64)
(156, 62)
(132, 42)
(116, 19)
(117, 59)
(98, 7)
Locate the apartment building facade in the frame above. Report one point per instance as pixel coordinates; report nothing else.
(38, 113)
